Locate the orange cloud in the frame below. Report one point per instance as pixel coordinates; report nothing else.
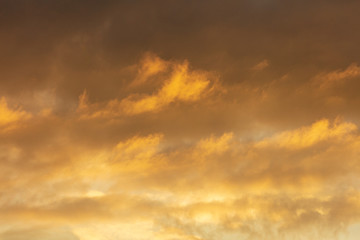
(214, 145)
(10, 116)
(138, 154)
(261, 65)
(308, 136)
(327, 80)
(230, 133)
(149, 66)
(234, 188)
(182, 85)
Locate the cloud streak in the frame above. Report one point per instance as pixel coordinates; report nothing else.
(180, 85)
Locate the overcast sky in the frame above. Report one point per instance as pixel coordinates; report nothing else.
(179, 120)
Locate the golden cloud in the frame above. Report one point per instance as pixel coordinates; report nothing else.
(216, 187)
(308, 136)
(337, 77)
(180, 85)
(8, 116)
(240, 129)
(116, 167)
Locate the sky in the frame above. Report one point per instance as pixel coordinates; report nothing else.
(179, 120)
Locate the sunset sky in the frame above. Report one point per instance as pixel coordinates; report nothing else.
(179, 120)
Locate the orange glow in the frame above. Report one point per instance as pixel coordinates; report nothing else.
(179, 120)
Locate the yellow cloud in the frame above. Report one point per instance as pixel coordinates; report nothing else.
(106, 231)
(150, 65)
(327, 80)
(214, 145)
(8, 116)
(308, 136)
(181, 85)
(137, 154)
(139, 181)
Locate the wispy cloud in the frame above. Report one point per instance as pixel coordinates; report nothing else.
(9, 117)
(180, 85)
(334, 78)
(261, 65)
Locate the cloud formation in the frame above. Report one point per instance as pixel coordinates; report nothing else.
(331, 79)
(309, 136)
(9, 117)
(261, 65)
(179, 85)
(217, 187)
(172, 120)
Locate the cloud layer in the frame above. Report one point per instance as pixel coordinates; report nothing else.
(176, 120)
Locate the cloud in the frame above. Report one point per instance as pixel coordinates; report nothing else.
(216, 187)
(149, 66)
(8, 116)
(181, 85)
(337, 77)
(261, 65)
(215, 145)
(308, 136)
(39, 232)
(138, 153)
(101, 138)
